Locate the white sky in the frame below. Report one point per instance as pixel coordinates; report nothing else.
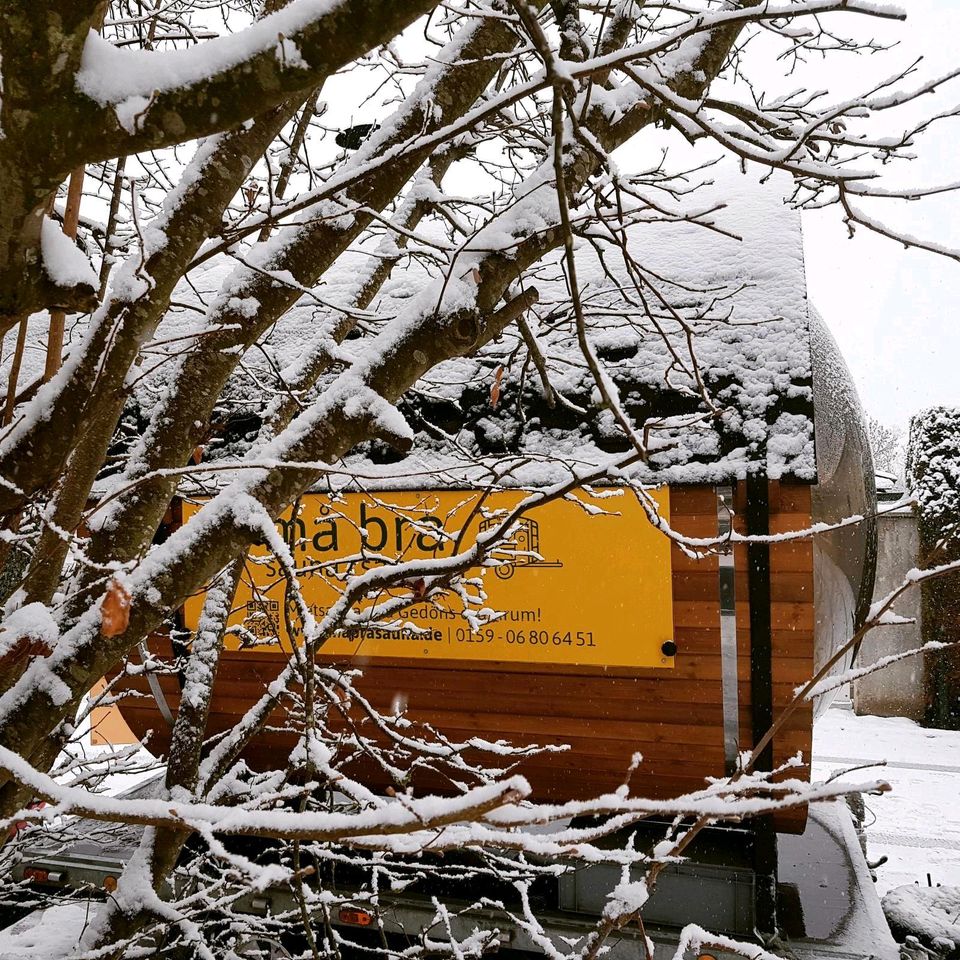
(894, 311)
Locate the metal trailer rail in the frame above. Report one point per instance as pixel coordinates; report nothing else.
(827, 906)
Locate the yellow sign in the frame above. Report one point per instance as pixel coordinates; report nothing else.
(576, 583)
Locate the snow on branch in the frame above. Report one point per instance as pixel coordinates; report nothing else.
(163, 97)
(476, 817)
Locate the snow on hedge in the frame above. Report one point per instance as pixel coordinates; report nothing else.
(933, 466)
(728, 265)
(932, 914)
(731, 306)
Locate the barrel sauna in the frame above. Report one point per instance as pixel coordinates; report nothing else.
(672, 678)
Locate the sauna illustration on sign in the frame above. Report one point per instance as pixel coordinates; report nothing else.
(524, 546)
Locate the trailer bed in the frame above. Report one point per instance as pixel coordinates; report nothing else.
(827, 905)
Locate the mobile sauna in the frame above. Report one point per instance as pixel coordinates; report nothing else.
(610, 637)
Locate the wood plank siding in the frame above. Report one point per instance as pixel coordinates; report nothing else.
(674, 718)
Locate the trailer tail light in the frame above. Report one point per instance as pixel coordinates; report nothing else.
(39, 875)
(355, 917)
(19, 825)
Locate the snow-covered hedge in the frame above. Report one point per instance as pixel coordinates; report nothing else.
(933, 466)
(928, 913)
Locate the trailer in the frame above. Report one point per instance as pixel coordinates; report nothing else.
(828, 909)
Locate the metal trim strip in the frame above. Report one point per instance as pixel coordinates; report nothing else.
(728, 631)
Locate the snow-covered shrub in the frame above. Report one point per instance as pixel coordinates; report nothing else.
(933, 468)
(933, 465)
(928, 913)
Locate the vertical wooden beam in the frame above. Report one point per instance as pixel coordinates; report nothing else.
(761, 646)
(15, 372)
(71, 219)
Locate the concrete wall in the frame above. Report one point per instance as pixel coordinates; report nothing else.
(896, 690)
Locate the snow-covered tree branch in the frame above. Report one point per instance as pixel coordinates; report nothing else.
(339, 247)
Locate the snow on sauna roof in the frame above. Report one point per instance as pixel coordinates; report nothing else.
(736, 283)
(737, 288)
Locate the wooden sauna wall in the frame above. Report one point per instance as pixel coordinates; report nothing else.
(792, 619)
(674, 718)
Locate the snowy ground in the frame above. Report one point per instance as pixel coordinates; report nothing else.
(918, 822)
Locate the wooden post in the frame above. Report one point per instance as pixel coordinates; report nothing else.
(71, 218)
(14, 376)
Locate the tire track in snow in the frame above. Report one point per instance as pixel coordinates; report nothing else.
(911, 840)
(893, 764)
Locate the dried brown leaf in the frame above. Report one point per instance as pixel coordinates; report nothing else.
(115, 610)
(495, 389)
